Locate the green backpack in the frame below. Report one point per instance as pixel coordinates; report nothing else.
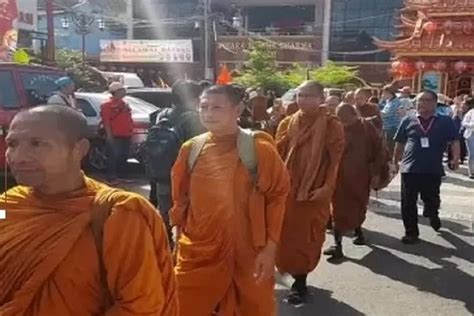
(245, 148)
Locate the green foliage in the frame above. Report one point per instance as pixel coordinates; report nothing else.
(84, 76)
(333, 75)
(261, 71)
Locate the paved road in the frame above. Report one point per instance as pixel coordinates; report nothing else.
(434, 277)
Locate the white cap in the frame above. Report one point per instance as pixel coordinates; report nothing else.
(115, 86)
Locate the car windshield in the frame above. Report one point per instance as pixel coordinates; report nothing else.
(39, 86)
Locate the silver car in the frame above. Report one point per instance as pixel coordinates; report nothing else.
(90, 104)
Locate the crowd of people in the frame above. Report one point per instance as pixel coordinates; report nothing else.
(247, 185)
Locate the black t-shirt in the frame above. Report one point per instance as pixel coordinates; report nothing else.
(425, 158)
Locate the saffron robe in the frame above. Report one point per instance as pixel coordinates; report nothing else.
(311, 146)
(363, 155)
(225, 220)
(49, 263)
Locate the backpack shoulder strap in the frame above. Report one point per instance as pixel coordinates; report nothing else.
(196, 147)
(247, 152)
(101, 210)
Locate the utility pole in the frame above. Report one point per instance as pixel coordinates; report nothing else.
(208, 70)
(129, 19)
(326, 32)
(51, 47)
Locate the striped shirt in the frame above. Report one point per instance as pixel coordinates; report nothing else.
(390, 115)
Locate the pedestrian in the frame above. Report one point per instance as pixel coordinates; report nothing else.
(311, 143)
(391, 115)
(60, 252)
(65, 94)
(420, 143)
(229, 192)
(349, 97)
(183, 120)
(468, 126)
(117, 124)
(367, 109)
(362, 159)
(331, 103)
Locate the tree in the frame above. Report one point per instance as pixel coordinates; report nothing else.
(261, 71)
(85, 76)
(333, 75)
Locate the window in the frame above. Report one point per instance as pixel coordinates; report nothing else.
(354, 23)
(8, 93)
(86, 108)
(38, 86)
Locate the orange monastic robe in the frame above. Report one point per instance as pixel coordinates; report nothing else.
(225, 220)
(363, 156)
(49, 264)
(311, 146)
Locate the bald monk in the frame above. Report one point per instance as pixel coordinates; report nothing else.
(52, 261)
(311, 143)
(367, 109)
(331, 103)
(230, 224)
(360, 162)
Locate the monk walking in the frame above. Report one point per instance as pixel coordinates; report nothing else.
(229, 193)
(367, 109)
(311, 143)
(362, 158)
(60, 253)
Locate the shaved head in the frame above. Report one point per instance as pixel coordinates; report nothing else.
(67, 121)
(347, 113)
(46, 146)
(312, 85)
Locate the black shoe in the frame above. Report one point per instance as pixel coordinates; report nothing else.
(471, 177)
(296, 299)
(330, 251)
(410, 239)
(359, 240)
(435, 222)
(337, 256)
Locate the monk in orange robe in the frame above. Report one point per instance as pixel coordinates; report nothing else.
(366, 109)
(362, 158)
(60, 255)
(229, 222)
(311, 143)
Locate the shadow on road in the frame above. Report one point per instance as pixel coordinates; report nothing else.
(467, 183)
(448, 281)
(320, 302)
(392, 211)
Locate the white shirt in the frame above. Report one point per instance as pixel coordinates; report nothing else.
(468, 124)
(60, 98)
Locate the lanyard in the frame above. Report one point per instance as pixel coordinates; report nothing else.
(427, 130)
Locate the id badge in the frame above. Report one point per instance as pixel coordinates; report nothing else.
(425, 142)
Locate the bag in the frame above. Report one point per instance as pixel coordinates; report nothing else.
(245, 148)
(101, 210)
(162, 146)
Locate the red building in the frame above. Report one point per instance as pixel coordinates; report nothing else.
(435, 48)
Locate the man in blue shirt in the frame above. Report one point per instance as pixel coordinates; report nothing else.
(421, 141)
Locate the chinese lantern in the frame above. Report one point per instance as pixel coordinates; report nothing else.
(460, 66)
(467, 27)
(430, 27)
(420, 65)
(448, 26)
(440, 66)
(396, 67)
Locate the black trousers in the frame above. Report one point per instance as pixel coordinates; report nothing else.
(428, 187)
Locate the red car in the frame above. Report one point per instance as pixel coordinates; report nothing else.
(22, 86)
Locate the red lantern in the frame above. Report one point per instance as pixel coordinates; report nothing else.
(448, 26)
(430, 27)
(420, 65)
(440, 66)
(467, 27)
(460, 66)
